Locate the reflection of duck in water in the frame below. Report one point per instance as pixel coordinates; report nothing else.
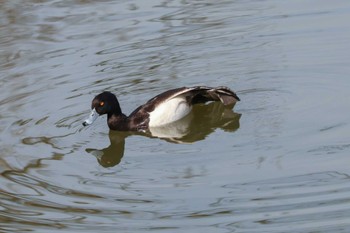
(202, 121)
(199, 122)
(111, 155)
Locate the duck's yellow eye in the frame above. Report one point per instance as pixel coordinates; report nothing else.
(102, 103)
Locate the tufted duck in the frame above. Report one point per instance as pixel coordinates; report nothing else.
(162, 109)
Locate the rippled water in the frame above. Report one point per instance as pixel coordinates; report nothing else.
(281, 165)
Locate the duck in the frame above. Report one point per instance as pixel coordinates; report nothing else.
(165, 108)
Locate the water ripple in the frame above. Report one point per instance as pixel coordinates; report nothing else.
(308, 200)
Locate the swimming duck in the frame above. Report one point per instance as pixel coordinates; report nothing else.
(165, 108)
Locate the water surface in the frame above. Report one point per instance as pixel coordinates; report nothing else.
(281, 166)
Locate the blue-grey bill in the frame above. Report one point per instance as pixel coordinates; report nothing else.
(92, 117)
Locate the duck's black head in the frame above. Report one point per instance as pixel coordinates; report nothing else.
(104, 103)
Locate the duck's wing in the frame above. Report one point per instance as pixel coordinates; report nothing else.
(197, 94)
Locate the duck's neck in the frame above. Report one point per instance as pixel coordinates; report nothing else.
(118, 121)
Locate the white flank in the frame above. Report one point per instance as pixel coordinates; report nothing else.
(169, 111)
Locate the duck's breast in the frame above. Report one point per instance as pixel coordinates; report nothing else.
(169, 111)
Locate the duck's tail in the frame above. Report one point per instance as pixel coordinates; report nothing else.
(223, 94)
